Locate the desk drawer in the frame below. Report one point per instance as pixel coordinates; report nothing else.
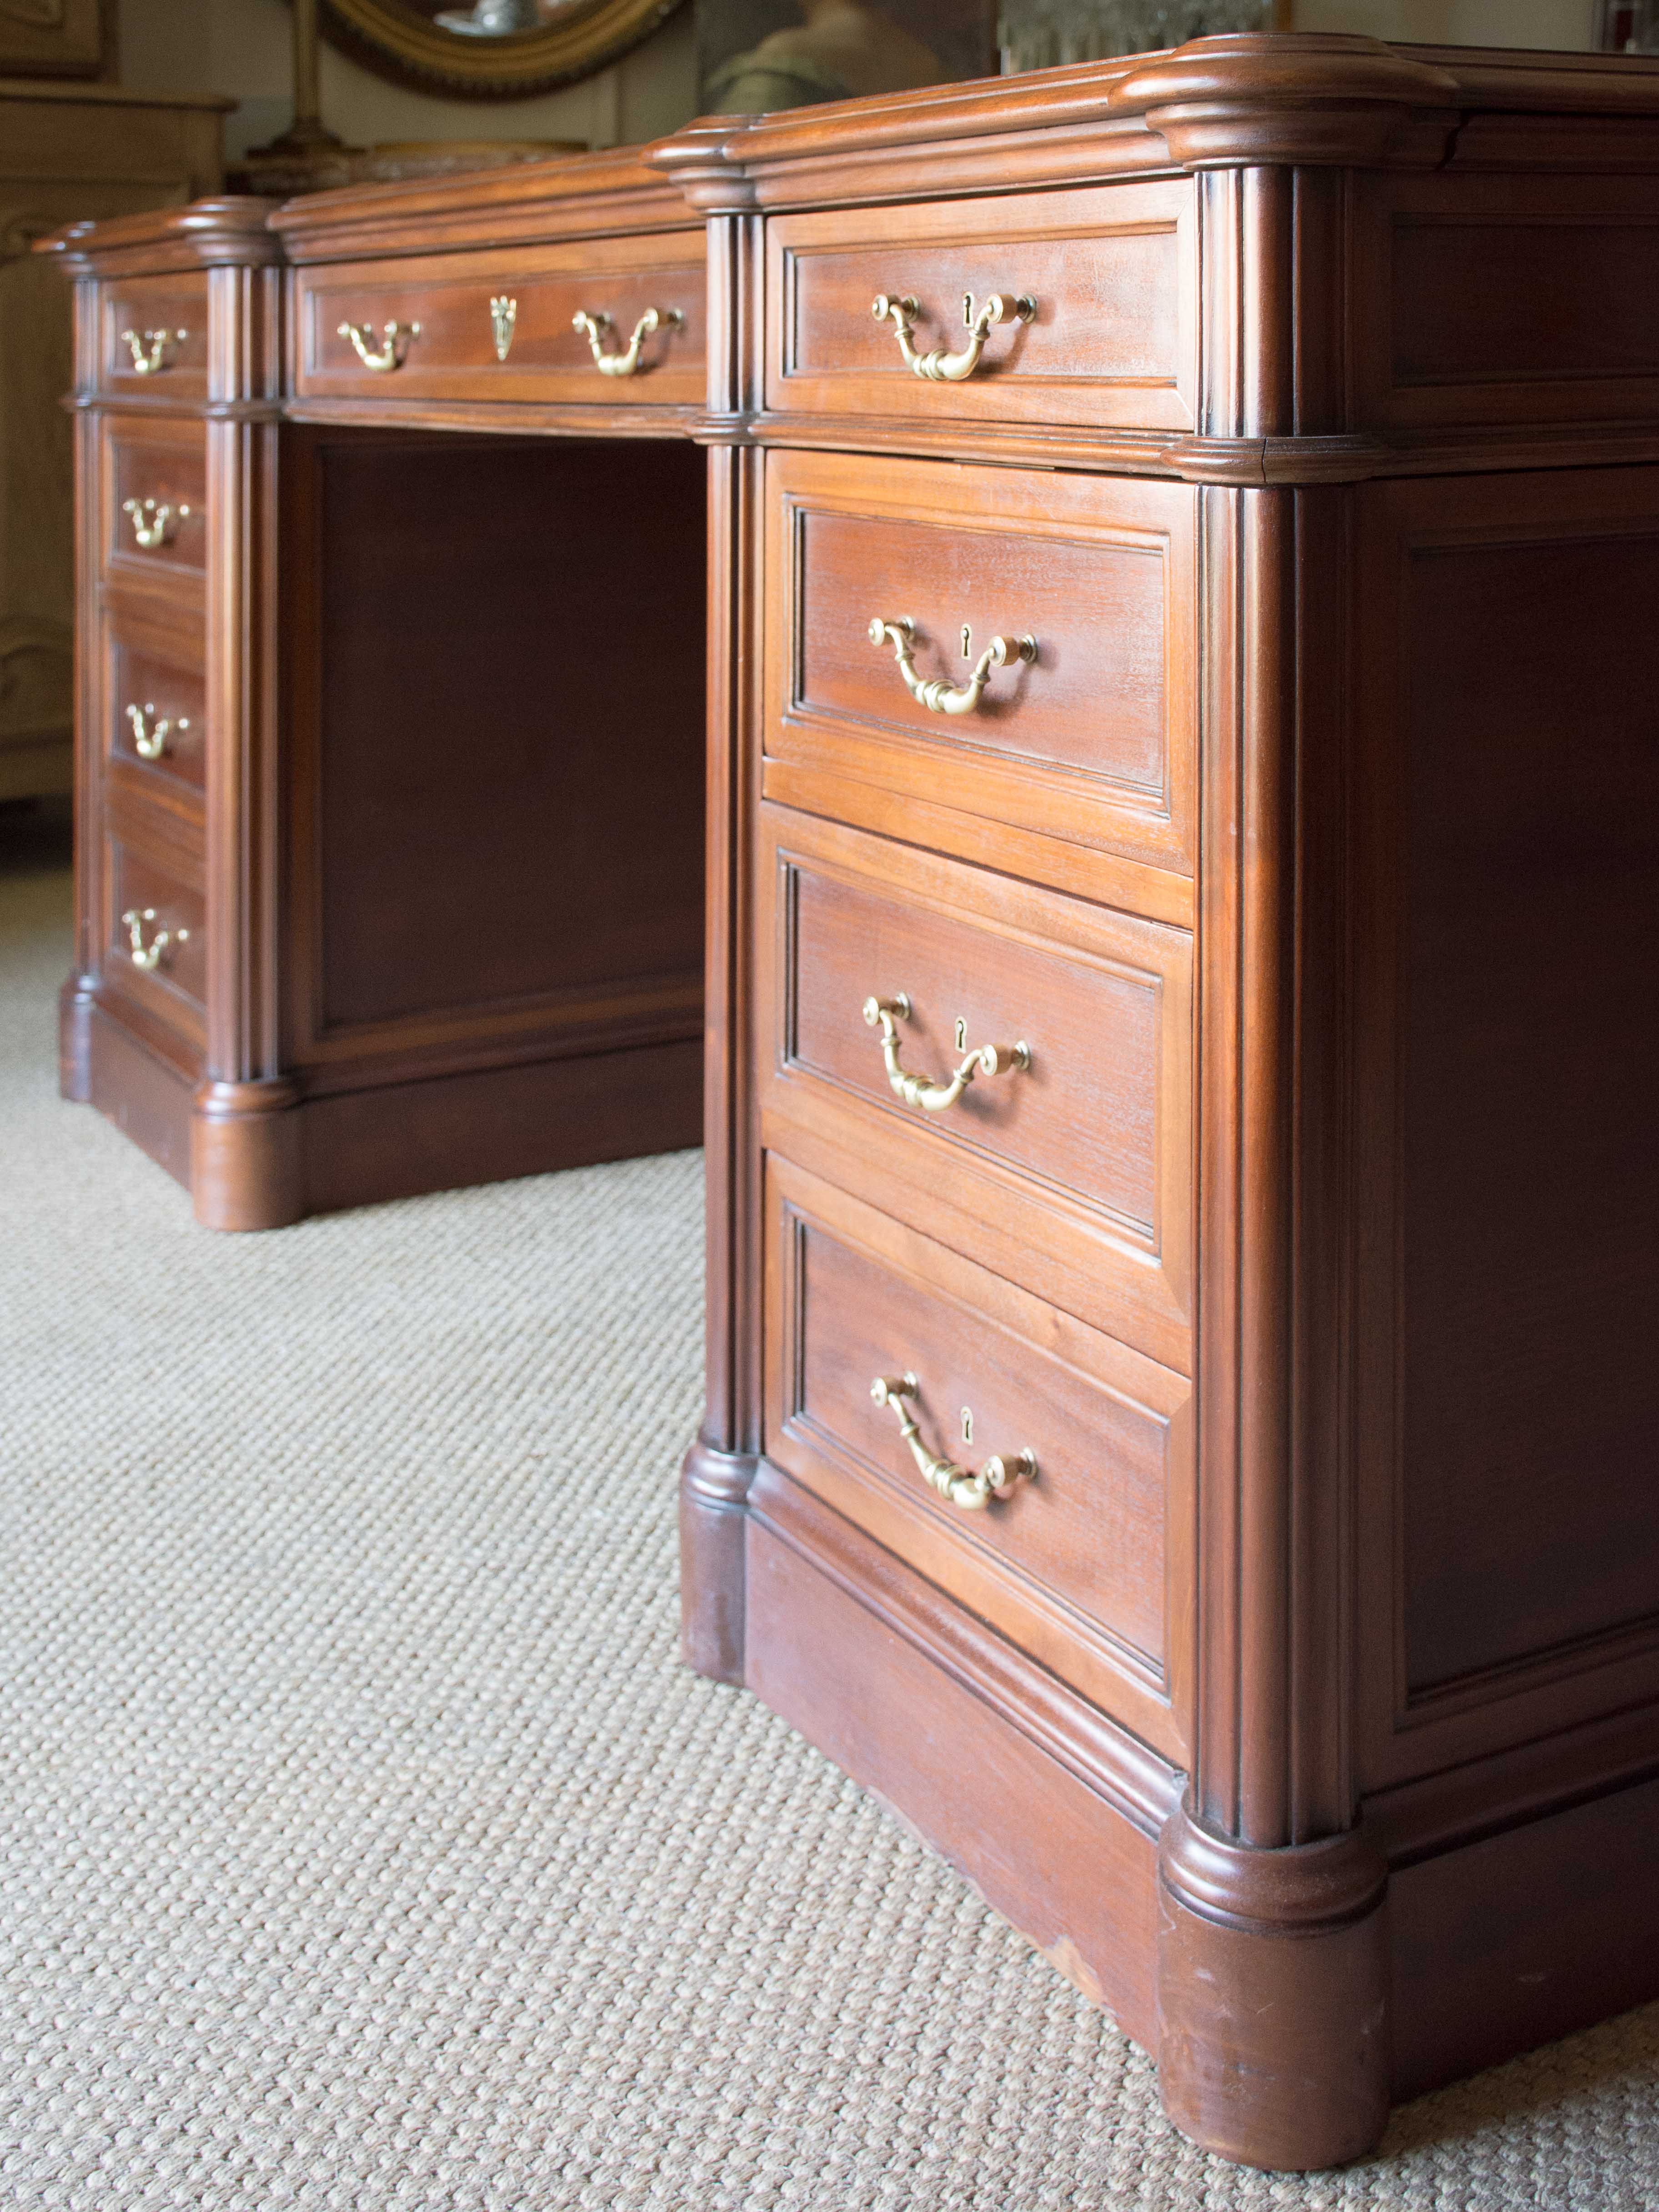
(1095, 1133)
(155, 934)
(1110, 274)
(153, 337)
(156, 707)
(1092, 743)
(155, 519)
(453, 314)
(1074, 1562)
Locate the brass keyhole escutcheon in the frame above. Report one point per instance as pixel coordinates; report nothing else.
(967, 1425)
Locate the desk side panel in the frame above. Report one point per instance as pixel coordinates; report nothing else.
(1508, 820)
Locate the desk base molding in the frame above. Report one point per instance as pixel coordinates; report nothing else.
(259, 1155)
(1286, 1995)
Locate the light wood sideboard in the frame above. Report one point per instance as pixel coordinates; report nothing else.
(1180, 803)
(68, 152)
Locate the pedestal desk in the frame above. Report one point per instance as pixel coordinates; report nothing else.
(1183, 802)
(390, 766)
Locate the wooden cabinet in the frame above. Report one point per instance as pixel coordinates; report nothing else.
(1198, 1466)
(503, 326)
(72, 152)
(1097, 319)
(1179, 837)
(391, 759)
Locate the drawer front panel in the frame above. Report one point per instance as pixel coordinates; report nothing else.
(1111, 272)
(1076, 1563)
(157, 711)
(454, 353)
(153, 337)
(156, 896)
(155, 498)
(1096, 1129)
(1091, 742)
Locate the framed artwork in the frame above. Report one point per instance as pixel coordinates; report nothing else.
(55, 38)
(487, 49)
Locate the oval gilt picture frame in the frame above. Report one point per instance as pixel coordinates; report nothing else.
(405, 41)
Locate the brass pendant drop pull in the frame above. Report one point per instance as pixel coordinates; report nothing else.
(149, 738)
(152, 520)
(503, 314)
(921, 1089)
(972, 1488)
(593, 326)
(937, 693)
(939, 367)
(149, 957)
(393, 351)
(149, 349)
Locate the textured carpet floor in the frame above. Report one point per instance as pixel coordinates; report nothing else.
(362, 1843)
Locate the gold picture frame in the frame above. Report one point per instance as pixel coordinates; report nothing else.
(398, 40)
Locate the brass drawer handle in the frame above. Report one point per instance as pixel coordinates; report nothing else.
(149, 349)
(971, 1488)
(152, 523)
(149, 957)
(592, 327)
(921, 1090)
(393, 351)
(939, 367)
(937, 693)
(503, 314)
(149, 740)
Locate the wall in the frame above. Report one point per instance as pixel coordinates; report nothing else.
(1566, 25)
(242, 47)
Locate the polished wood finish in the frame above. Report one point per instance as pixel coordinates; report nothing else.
(1304, 1709)
(1110, 274)
(1094, 743)
(453, 356)
(1079, 1168)
(1080, 1564)
(434, 830)
(1313, 854)
(72, 152)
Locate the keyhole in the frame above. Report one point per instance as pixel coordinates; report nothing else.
(967, 1425)
(967, 635)
(962, 1032)
(968, 311)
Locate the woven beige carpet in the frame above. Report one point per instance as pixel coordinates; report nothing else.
(363, 1844)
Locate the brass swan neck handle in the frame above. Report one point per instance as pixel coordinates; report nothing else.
(393, 351)
(149, 349)
(939, 367)
(152, 521)
(593, 326)
(937, 693)
(149, 738)
(972, 1488)
(921, 1089)
(149, 957)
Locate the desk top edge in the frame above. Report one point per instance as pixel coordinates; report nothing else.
(1327, 99)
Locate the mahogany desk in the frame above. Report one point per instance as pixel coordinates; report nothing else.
(1183, 817)
(389, 779)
